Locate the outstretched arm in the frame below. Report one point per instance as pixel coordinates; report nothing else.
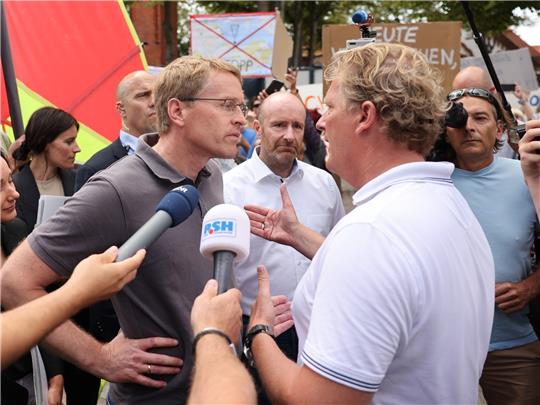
(282, 226)
(24, 277)
(49, 311)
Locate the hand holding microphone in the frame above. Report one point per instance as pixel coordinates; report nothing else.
(225, 237)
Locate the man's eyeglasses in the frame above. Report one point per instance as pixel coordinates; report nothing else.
(476, 92)
(227, 104)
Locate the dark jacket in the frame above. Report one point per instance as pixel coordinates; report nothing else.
(101, 160)
(27, 204)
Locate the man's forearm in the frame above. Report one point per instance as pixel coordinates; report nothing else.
(219, 376)
(533, 283)
(78, 347)
(277, 372)
(306, 240)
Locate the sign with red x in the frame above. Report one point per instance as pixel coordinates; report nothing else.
(247, 40)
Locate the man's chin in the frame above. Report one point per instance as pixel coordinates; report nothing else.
(225, 154)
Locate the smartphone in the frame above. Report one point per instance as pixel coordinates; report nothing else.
(508, 87)
(290, 63)
(274, 86)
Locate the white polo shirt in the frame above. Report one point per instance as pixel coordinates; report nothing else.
(399, 298)
(317, 202)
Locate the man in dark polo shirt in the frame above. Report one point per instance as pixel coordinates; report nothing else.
(200, 116)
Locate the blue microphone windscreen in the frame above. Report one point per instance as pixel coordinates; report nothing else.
(360, 17)
(179, 203)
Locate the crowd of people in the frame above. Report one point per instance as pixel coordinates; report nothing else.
(420, 294)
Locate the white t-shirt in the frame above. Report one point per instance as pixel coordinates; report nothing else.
(317, 202)
(399, 298)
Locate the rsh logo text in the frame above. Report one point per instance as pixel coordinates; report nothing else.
(220, 227)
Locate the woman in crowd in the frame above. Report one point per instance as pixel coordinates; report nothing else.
(50, 148)
(13, 231)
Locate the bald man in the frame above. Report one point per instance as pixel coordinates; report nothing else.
(135, 105)
(314, 194)
(473, 76)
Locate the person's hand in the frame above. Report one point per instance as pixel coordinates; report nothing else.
(512, 297)
(262, 310)
(277, 226)
(521, 93)
(222, 311)
(282, 314)
(129, 360)
(262, 95)
(97, 277)
(290, 78)
(56, 390)
(529, 145)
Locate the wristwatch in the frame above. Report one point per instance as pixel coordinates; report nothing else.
(248, 340)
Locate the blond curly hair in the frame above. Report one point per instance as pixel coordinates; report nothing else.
(183, 78)
(399, 81)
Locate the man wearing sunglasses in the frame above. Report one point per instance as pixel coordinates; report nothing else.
(496, 192)
(200, 114)
(475, 76)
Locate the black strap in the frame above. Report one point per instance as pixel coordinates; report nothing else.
(208, 331)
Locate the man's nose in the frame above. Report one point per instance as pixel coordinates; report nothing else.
(289, 133)
(239, 118)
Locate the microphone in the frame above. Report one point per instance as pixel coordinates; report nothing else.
(175, 207)
(360, 17)
(225, 237)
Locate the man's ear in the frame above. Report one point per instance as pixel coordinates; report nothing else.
(500, 129)
(175, 111)
(366, 117)
(120, 109)
(257, 127)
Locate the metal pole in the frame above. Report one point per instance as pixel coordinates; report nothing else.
(479, 39)
(9, 77)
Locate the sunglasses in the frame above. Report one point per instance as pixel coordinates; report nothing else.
(476, 92)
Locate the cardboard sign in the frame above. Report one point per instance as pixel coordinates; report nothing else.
(256, 43)
(312, 96)
(439, 41)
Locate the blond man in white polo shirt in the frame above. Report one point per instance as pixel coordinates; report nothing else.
(397, 304)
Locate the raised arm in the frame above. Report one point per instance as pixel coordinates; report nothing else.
(282, 226)
(529, 148)
(49, 311)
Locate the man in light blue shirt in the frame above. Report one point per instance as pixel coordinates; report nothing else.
(497, 194)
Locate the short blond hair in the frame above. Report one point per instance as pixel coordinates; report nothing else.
(183, 78)
(398, 80)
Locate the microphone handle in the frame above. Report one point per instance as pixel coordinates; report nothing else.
(223, 265)
(146, 235)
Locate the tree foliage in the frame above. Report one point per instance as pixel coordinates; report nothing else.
(492, 17)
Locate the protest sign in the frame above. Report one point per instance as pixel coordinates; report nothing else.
(511, 67)
(439, 41)
(312, 96)
(256, 43)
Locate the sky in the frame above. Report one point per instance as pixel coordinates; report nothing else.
(530, 34)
